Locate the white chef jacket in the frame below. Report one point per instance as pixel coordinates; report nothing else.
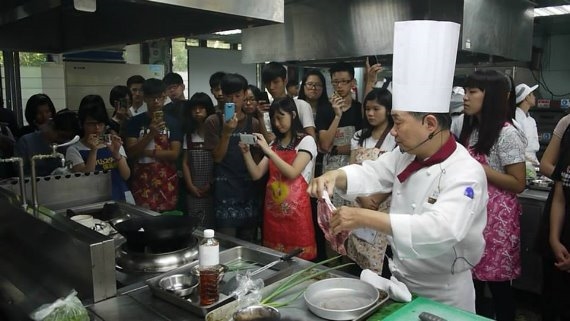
(528, 125)
(437, 217)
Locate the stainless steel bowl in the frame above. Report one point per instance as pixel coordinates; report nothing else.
(179, 284)
(257, 313)
(340, 298)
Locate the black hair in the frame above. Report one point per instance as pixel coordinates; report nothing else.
(119, 92)
(273, 70)
(286, 104)
(383, 97)
(324, 99)
(255, 91)
(92, 106)
(216, 79)
(232, 83)
(32, 105)
(172, 78)
(443, 119)
(342, 66)
(153, 87)
(66, 121)
(493, 111)
(292, 83)
(136, 79)
(92, 99)
(512, 100)
(198, 99)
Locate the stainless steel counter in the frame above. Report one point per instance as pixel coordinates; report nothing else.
(532, 194)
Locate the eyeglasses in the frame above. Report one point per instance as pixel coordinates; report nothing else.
(313, 85)
(339, 82)
(249, 100)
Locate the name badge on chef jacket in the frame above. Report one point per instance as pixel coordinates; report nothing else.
(366, 234)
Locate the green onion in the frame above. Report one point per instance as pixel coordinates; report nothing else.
(298, 278)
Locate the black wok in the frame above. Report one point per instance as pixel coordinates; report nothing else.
(159, 233)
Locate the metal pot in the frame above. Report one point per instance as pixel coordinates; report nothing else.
(340, 298)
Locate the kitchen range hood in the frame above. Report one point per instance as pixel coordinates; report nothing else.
(323, 31)
(55, 26)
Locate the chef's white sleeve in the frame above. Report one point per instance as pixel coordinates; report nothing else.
(373, 176)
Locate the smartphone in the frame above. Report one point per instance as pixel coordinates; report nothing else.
(158, 115)
(229, 111)
(372, 60)
(264, 97)
(248, 139)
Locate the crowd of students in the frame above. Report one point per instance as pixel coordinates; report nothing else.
(166, 152)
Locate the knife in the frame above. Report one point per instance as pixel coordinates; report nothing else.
(284, 258)
(426, 316)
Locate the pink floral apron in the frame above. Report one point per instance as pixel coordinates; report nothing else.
(501, 258)
(287, 216)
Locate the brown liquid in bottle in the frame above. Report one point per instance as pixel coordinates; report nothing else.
(209, 291)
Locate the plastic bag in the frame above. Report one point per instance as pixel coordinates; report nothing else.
(248, 291)
(69, 308)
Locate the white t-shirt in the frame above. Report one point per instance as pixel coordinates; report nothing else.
(388, 144)
(305, 113)
(528, 125)
(195, 139)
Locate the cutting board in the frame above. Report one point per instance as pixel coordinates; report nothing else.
(412, 310)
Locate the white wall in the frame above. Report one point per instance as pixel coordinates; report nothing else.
(203, 62)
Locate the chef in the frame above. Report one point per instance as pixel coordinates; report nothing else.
(439, 193)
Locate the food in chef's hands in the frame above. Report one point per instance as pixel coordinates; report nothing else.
(68, 309)
(325, 211)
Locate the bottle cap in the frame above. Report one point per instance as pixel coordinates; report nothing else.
(208, 233)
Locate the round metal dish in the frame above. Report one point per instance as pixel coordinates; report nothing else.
(179, 284)
(340, 298)
(257, 313)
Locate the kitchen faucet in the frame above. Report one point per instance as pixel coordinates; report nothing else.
(54, 154)
(20, 162)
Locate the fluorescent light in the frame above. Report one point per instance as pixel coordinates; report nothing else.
(228, 32)
(551, 11)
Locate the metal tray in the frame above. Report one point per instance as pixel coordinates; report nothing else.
(255, 258)
(297, 309)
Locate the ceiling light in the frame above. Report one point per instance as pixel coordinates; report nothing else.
(228, 32)
(551, 11)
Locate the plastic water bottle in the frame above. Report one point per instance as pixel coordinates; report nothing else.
(209, 261)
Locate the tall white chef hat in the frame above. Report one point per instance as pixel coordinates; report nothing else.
(423, 65)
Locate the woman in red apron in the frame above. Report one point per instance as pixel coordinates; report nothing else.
(287, 218)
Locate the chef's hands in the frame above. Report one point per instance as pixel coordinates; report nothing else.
(561, 255)
(327, 182)
(368, 202)
(346, 219)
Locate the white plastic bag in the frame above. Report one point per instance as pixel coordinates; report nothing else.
(69, 308)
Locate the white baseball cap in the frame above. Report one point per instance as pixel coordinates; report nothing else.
(522, 91)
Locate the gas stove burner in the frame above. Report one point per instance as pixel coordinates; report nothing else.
(159, 248)
(149, 260)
